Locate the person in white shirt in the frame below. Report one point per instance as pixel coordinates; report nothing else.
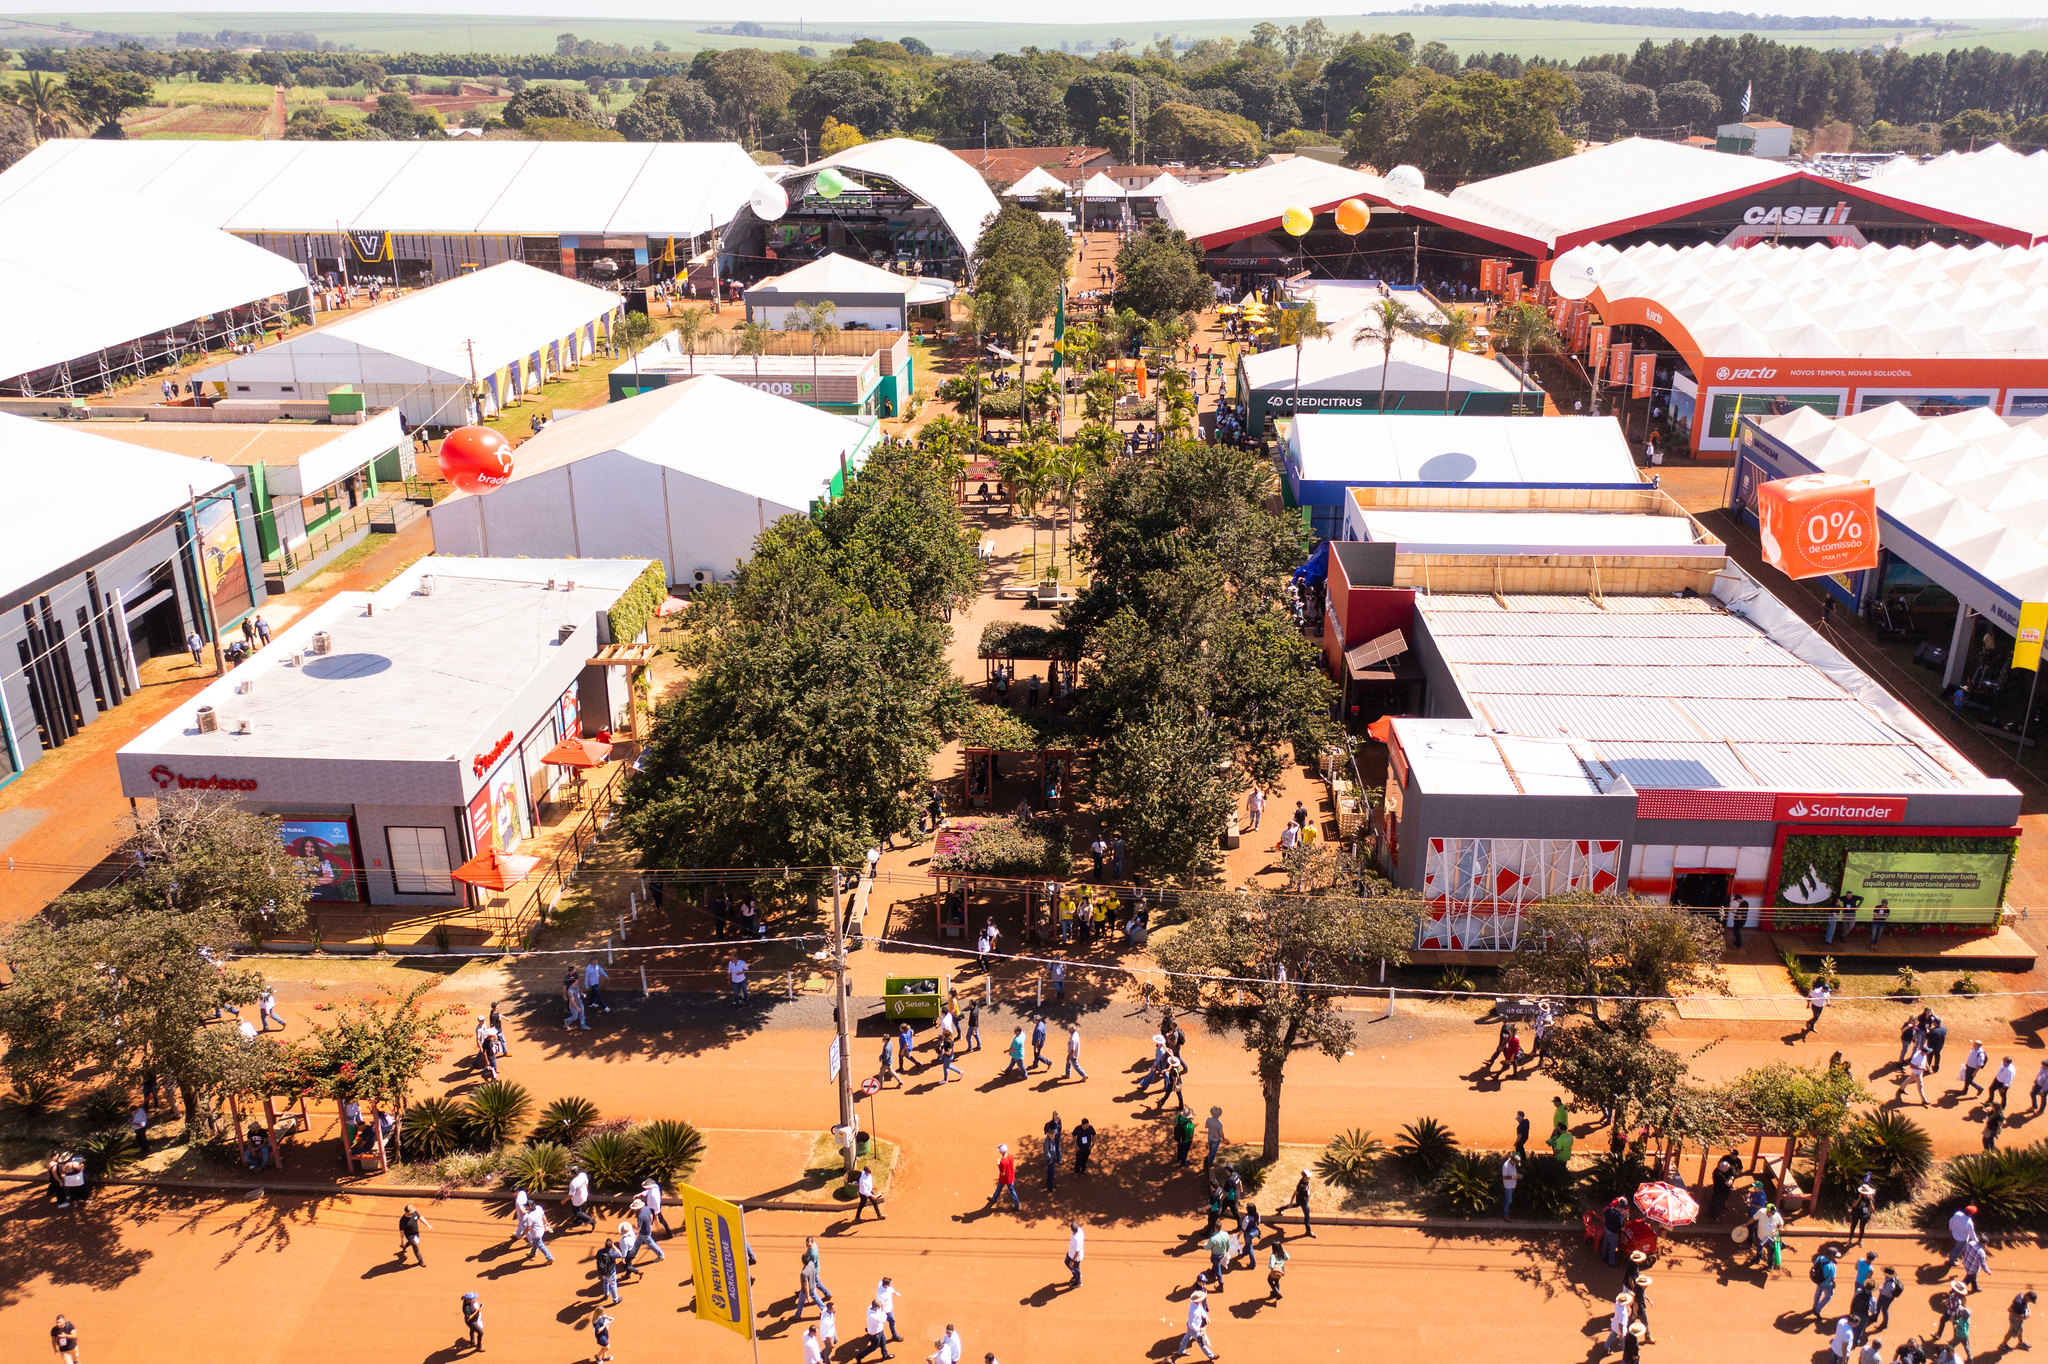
(266, 1003)
(2001, 1084)
(594, 977)
(1962, 1229)
(520, 1205)
(948, 1348)
(885, 1297)
(629, 1241)
(736, 972)
(868, 1200)
(2039, 1099)
(650, 1193)
(814, 1349)
(878, 1334)
(1198, 1327)
(536, 1234)
(1816, 1000)
(1973, 1061)
(1074, 1054)
(579, 1199)
(1076, 1248)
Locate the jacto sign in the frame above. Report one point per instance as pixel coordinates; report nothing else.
(1840, 809)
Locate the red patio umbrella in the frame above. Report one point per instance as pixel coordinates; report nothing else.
(1667, 1205)
(496, 869)
(670, 606)
(578, 753)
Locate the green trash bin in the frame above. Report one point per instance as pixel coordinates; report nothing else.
(914, 996)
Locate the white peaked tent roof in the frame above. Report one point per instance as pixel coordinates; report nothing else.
(507, 312)
(1417, 366)
(543, 188)
(712, 428)
(953, 188)
(44, 465)
(1038, 180)
(1100, 186)
(837, 274)
(1165, 184)
(1971, 484)
(149, 270)
(1835, 301)
(1995, 187)
(1238, 205)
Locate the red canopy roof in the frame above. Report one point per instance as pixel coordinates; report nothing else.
(496, 869)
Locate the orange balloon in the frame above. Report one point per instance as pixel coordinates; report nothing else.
(1352, 216)
(476, 459)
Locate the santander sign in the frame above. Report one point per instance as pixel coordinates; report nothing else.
(1840, 809)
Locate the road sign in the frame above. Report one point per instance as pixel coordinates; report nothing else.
(871, 1086)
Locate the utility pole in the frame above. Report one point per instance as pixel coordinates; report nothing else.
(1415, 261)
(476, 395)
(844, 1024)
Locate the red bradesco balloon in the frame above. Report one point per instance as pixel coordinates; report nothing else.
(476, 459)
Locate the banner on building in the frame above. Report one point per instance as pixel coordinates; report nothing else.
(1923, 882)
(1645, 376)
(2026, 649)
(718, 1259)
(1596, 347)
(369, 248)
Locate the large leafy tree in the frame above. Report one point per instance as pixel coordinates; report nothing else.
(102, 96)
(671, 109)
(1583, 947)
(548, 101)
(1159, 274)
(124, 979)
(1249, 965)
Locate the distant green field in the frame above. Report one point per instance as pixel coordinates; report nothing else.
(462, 33)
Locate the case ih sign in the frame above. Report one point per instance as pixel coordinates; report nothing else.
(1840, 809)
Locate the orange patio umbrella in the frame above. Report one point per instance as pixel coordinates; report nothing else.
(578, 753)
(1381, 730)
(496, 869)
(670, 606)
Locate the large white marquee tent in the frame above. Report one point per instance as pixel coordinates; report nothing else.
(688, 474)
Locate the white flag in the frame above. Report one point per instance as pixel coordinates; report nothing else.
(1747, 90)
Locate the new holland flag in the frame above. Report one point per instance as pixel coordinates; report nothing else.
(369, 248)
(1747, 90)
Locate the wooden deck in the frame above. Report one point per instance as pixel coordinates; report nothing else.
(2004, 950)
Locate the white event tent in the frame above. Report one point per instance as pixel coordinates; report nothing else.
(140, 283)
(502, 330)
(861, 294)
(688, 474)
(1034, 182)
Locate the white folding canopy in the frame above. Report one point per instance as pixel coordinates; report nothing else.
(1341, 363)
(1034, 182)
(149, 270)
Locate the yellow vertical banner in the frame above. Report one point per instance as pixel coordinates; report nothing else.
(2026, 649)
(718, 1260)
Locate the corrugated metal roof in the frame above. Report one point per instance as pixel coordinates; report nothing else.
(1595, 651)
(1586, 717)
(1677, 766)
(1837, 720)
(1844, 767)
(1640, 680)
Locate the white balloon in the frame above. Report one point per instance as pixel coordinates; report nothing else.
(1575, 274)
(1403, 183)
(769, 201)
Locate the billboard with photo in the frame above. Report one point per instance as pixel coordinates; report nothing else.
(220, 552)
(1721, 416)
(1916, 883)
(328, 843)
(1927, 404)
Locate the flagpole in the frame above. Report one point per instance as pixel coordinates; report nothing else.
(753, 1317)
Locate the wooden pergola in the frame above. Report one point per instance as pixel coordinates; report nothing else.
(636, 659)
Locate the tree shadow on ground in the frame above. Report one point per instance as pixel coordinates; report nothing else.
(1131, 1179)
(75, 1247)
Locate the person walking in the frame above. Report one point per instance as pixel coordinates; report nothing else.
(1276, 1266)
(1617, 1320)
(1299, 1199)
(2001, 1085)
(580, 1214)
(1006, 1179)
(266, 1003)
(1017, 1056)
(1084, 1146)
(1816, 1000)
(886, 1294)
(1915, 1074)
(643, 1223)
(1183, 1135)
(409, 1224)
(195, 644)
(1219, 1248)
(1076, 1251)
(948, 1072)
(1843, 1342)
(1950, 1303)
(866, 1187)
(1054, 1131)
(650, 1194)
(2038, 1100)
(906, 1046)
(1510, 1175)
(594, 977)
(1639, 1303)
(1038, 1044)
(1935, 1035)
(1962, 1229)
(1521, 1135)
(1254, 807)
(1888, 1292)
(947, 1349)
(736, 974)
(1073, 1054)
(1976, 1259)
(1197, 1332)
(1213, 1129)
(810, 1286)
(973, 1038)
(827, 1327)
(877, 1339)
(2016, 1320)
(473, 1320)
(64, 1340)
(1974, 1061)
(1860, 1213)
(536, 1235)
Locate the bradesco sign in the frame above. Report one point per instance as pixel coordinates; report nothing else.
(1839, 810)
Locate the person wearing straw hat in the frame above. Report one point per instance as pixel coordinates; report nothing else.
(1197, 1332)
(1617, 1324)
(1639, 1297)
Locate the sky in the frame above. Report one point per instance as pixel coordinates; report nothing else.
(1044, 11)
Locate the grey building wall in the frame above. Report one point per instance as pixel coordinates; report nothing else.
(371, 823)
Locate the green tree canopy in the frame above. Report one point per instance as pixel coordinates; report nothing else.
(1586, 946)
(1159, 274)
(548, 101)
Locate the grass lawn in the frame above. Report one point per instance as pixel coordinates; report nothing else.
(823, 1169)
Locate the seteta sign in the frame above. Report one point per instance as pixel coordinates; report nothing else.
(1839, 809)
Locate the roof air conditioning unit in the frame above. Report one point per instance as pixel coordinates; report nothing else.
(569, 586)
(208, 721)
(700, 576)
(322, 642)
(551, 584)
(563, 634)
(244, 727)
(245, 686)
(298, 659)
(426, 584)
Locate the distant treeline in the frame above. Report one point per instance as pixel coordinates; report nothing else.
(1643, 16)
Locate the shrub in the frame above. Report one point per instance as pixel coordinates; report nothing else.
(566, 1120)
(1468, 1185)
(1967, 983)
(1009, 846)
(1426, 1146)
(1349, 1159)
(1454, 981)
(1828, 975)
(2009, 1188)
(535, 1166)
(1889, 1149)
(1548, 1189)
(670, 1151)
(32, 1096)
(609, 1157)
(1908, 986)
(434, 1127)
(108, 1152)
(496, 1112)
(1617, 1174)
(1802, 979)
(105, 1106)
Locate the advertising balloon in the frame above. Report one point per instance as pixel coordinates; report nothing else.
(476, 459)
(1576, 273)
(1403, 183)
(1296, 219)
(831, 183)
(1352, 216)
(769, 201)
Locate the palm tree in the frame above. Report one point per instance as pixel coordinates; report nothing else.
(1453, 333)
(1044, 391)
(1029, 477)
(1298, 326)
(1072, 463)
(1383, 323)
(752, 338)
(818, 320)
(970, 402)
(693, 328)
(1176, 399)
(1523, 328)
(49, 105)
